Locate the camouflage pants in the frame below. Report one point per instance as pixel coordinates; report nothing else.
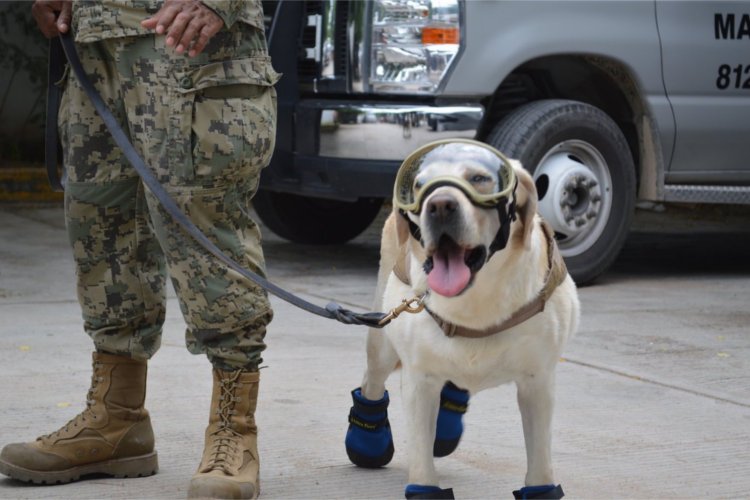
(206, 127)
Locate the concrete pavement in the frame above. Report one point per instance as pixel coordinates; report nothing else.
(653, 395)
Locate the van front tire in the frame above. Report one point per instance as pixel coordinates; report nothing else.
(585, 175)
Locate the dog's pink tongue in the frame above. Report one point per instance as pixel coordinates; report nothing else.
(450, 275)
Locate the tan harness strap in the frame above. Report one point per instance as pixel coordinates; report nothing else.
(452, 330)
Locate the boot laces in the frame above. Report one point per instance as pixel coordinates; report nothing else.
(87, 412)
(226, 443)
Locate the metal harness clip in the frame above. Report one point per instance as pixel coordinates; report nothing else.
(413, 306)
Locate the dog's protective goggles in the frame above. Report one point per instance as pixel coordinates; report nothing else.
(409, 197)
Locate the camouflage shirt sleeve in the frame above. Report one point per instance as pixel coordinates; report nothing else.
(231, 11)
(103, 19)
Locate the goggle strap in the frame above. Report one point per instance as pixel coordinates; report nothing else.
(506, 217)
(413, 228)
(512, 206)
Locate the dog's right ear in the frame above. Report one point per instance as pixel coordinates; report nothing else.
(526, 200)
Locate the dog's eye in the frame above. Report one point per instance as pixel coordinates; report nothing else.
(480, 179)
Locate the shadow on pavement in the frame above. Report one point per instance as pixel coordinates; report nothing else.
(684, 254)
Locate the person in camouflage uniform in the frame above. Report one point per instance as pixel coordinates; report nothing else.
(192, 84)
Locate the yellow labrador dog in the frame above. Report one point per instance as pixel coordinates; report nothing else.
(491, 303)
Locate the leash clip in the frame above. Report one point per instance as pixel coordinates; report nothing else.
(413, 306)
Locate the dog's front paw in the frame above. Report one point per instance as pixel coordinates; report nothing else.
(544, 491)
(369, 442)
(420, 491)
(453, 404)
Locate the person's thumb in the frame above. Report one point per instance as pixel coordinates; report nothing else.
(63, 20)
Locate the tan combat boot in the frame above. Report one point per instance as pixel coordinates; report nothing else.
(111, 436)
(229, 467)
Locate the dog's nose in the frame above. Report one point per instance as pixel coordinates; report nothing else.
(441, 207)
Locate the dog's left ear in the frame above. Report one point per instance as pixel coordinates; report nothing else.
(526, 200)
(402, 227)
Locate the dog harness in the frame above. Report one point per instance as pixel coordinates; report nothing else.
(556, 274)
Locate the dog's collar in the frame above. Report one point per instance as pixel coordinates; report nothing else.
(556, 273)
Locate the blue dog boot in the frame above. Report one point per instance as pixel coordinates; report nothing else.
(453, 404)
(544, 491)
(369, 442)
(419, 491)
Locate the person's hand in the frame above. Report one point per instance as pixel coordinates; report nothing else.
(188, 24)
(52, 16)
